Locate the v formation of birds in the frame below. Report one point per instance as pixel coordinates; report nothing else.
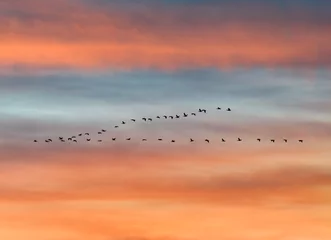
(79, 137)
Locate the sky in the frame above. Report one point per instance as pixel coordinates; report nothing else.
(68, 67)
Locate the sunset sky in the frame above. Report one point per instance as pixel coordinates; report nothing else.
(71, 66)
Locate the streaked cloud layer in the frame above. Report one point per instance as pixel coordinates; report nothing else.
(78, 66)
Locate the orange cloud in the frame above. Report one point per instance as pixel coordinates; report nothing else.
(91, 38)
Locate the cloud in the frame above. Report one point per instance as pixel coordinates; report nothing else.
(176, 37)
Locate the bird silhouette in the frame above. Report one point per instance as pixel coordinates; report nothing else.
(259, 139)
(149, 119)
(128, 139)
(145, 119)
(123, 122)
(103, 130)
(60, 138)
(239, 140)
(80, 134)
(69, 139)
(75, 140)
(229, 109)
(160, 139)
(172, 141)
(191, 140)
(165, 116)
(158, 117)
(177, 116)
(285, 140)
(218, 108)
(73, 137)
(207, 140)
(89, 139)
(35, 141)
(185, 115)
(116, 126)
(113, 139)
(144, 139)
(193, 114)
(204, 110)
(223, 140)
(272, 140)
(46, 141)
(99, 140)
(133, 120)
(171, 117)
(87, 134)
(301, 141)
(200, 110)
(99, 132)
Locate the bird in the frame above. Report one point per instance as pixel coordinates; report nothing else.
(285, 140)
(218, 108)
(80, 134)
(145, 119)
(99, 132)
(103, 130)
(301, 141)
(149, 119)
(172, 141)
(87, 134)
(144, 139)
(185, 115)
(46, 141)
(73, 137)
(116, 126)
(177, 116)
(171, 117)
(259, 139)
(99, 140)
(35, 141)
(128, 139)
(123, 122)
(50, 140)
(193, 114)
(89, 139)
(75, 140)
(191, 140)
(207, 140)
(229, 109)
(113, 139)
(133, 120)
(200, 110)
(160, 139)
(272, 140)
(158, 117)
(69, 139)
(204, 110)
(165, 116)
(223, 140)
(60, 138)
(239, 139)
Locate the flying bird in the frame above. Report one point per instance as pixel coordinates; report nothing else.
(218, 108)
(158, 117)
(285, 140)
(229, 109)
(177, 116)
(239, 140)
(128, 139)
(99, 132)
(69, 139)
(171, 117)
(272, 140)
(200, 110)
(116, 126)
(99, 140)
(185, 115)
(259, 139)
(223, 140)
(89, 139)
(103, 130)
(75, 140)
(149, 119)
(144, 139)
(172, 141)
(113, 139)
(123, 122)
(207, 140)
(35, 141)
(160, 139)
(87, 134)
(80, 134)
(193, 114)
(191, 140)
(145, 119)
(301, 141)
(133, 120)
(165, 116)
(204, 110)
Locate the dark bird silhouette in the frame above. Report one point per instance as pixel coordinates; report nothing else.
(272, 140)
(145, 119)
(60, 138)
(133, 120)
(229, 109)
(204, 110)
(158, 117)
(172, 141)
(80, 134)
(128, 139)
(73, 137)
(171, 117)
(123, 122)
(87, 134)
(177, 116)
(69, 139)
(165, 117)
(116, 126)
(99, 132)
(160, 139)
(200, 110)
(149, 119)
(239, 140)
(193, 114)
(144, 139)
(191, 140)
(99, 140)
(50, 140)
(113, 139)
(75, 140)
(259, 139)
(46, 141)
(285, 140)
(223, 140)
(89, 139)
(103, 130)
(185, 115)
(301, 141)
(218, 108)
(35, 141)
(207, 140)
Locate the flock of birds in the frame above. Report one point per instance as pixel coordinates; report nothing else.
(80, 136)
